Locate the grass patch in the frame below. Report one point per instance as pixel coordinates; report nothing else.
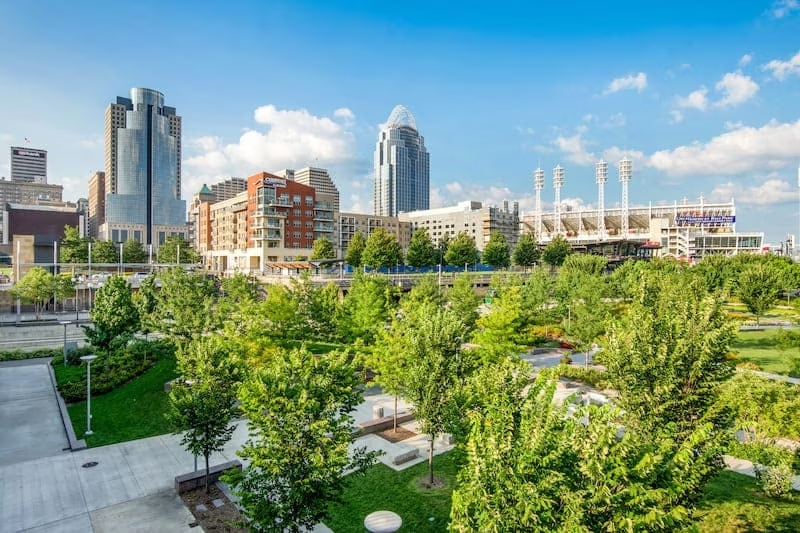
(761, 348)
(733, 502)
(384, 489)
(133, 411)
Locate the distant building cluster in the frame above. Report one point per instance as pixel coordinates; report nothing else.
(268, 219)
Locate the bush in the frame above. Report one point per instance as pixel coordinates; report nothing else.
(775, 481)
(566, 360)
(110, 371)
(17, 355)
(590, 376)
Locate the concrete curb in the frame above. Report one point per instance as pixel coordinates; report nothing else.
(74, 443)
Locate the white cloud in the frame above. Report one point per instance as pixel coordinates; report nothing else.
(616, 120)
(631, 81)
(289, 139)
(745, 60)
(782, 8)
(677, 116)
(744, 149)
(782, 69)
(694, 100)
(770, 192)
(575, 149)
(736, 88)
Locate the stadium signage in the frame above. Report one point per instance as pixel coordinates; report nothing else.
(704, 218)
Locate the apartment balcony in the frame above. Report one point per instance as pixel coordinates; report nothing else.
(266, 210)
(265, 224)
(323, 215)
(324, 206)
(268, 235)
(323, 227)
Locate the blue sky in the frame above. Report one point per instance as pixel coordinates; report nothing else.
(704, 97)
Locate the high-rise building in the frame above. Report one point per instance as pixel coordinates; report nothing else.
(26, 193)
(28, 165)
(402, 166)
(320, 179)
(97, 202)
(228, 188)
(143, 172)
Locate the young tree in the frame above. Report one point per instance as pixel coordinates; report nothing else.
(425, 289)
(63, 288)
(421, 252)
(316, 305)
(203, 399)
(759, 286)
(74, 248)
(133, 252)
(36, 287)
(556, 251)
(105, 252)
(300, 433)
(114, 317)
(365, 309)
(464, 301)
(441, 248)
(667, 357)
(146, 302)
(322, 249)
(355, 250)
(382, 250)
(526, 254)
(497, 252)
(437, 371)
(185, 303)
(498, 330)
(176, 249)
(461, 251)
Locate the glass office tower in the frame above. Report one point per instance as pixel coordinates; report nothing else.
(146, 167)
(402, 166)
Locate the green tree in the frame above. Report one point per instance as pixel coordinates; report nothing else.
(185, 305)
(536, 305)
(461, 251)
(556, 251)
(146, 302)
(532, 466)
(322, 249)
(105, 252)
(438, 370)
(759, 286)
(421, 252)
(441, 248)
(276, 318)
(425, 289)
(300, 433)
(382, 250)
(498, 330)
(133, 252)
(114, 317)
(176, 249)
(240, 289)
(715, 271)
(526, 253)
(667, 357)
(74, 248)
(355, 250)
(365, 309)
(316, 306)
(497, 252)
(202, 400)
(464, 301)
(36, 287)
(63, 288)
(588, 315)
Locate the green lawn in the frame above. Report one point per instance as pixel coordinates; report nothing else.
(133, 411)
(384, 489)
(761, 348)
(732, 502)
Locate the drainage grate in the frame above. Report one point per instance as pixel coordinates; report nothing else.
(89, 464)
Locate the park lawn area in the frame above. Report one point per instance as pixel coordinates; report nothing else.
(382, 489)
(761, 348)
(733, 502)
(133, 411)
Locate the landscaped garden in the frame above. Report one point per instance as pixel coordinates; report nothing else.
(762, 348)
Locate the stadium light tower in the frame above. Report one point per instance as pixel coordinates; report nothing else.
(538, 186)
(601, 178)
(558, 182)
(625, 172)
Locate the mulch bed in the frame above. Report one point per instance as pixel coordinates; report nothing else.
(224, 517)
(396, 436)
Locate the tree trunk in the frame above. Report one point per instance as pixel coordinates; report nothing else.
(395, 413)
(430, 460)
(206, 456)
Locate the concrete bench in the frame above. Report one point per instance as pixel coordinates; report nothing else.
(379, 424)
(195, 480)
(405, 457)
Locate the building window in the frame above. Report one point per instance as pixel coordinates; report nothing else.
(296, 223)
(296, 212)
(309, 201)
(296, 199)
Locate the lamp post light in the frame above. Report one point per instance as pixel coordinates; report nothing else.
(88, 359)
(121, 246)
(65, 323)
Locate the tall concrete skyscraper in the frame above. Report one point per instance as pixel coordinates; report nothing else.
(28, 164)
(402, 166)
(143, 170)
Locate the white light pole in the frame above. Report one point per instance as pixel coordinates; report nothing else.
(121, 246)
(65, 323)
(88, 359)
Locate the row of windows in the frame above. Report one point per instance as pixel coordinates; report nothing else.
(297, 223)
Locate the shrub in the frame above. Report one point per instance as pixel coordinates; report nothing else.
(17, 355)
(566, 360)
(747, 365)
(775, 481)
(590, 376)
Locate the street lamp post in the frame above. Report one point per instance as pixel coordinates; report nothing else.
(88, 359)
(65, 323)
(121, 246)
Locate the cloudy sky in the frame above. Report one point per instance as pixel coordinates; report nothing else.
(704, 97)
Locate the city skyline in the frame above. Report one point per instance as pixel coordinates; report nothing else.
(702, 98)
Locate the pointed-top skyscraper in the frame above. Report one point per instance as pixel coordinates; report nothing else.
(402, 166)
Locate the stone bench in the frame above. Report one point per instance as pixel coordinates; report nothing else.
(379, 424)
(195, 480)
(405, 457)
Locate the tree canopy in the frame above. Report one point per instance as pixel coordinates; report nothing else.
(176, 249)
(497, 252)
(114, 315)
(355, 250)
(322, 249)
(526, 253)
(421, 252)
(461, 251)
(36, 287)
(556, 251)
(382, 250)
